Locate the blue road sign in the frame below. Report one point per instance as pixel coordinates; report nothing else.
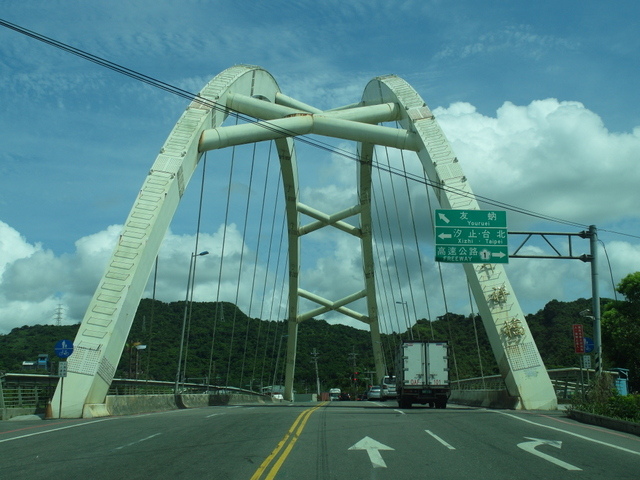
(64, 348)
(589, 345)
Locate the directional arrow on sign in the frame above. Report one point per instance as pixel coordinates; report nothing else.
(373, 448)
(536, 442)
(443, 217)
(444, 235)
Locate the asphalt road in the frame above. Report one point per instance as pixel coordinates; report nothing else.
(338, 440)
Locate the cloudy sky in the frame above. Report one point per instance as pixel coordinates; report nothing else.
(539, 100)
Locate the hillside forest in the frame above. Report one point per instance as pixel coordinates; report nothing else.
(226, 347)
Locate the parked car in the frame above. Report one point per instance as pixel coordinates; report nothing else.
(374, 393)
(345, 396)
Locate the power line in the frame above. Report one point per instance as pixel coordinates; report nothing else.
(154, 82)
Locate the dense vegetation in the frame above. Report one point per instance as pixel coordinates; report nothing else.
(258, 345)
(602, 399)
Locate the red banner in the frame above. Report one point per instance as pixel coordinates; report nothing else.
(578, 338)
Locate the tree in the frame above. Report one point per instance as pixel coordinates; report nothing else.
(621, 329)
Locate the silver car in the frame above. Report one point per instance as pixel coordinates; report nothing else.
(374, 393)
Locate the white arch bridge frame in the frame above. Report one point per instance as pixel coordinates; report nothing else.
(253, 91)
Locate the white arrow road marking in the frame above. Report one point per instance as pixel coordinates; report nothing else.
(450, 447)
(536, 442)
(373, 448)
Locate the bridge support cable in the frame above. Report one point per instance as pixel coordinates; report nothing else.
(275, 282)
(188, 305)
(447, 316)
(241, 266)
(106, 324)
(400, 231)
(386, 269)
(417, 249)
(384, 282)
(263, 204)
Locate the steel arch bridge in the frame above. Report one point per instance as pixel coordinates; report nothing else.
(252, 91)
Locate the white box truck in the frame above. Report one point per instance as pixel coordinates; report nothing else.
(422, 374)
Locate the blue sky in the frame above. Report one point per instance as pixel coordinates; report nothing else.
(539, 100)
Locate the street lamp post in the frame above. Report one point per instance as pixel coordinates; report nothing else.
(138, 348)
(184, 319)
(405, 312)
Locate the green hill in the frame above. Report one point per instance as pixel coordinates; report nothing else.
(216, 329)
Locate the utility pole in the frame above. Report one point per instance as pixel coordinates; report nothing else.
(315, 355)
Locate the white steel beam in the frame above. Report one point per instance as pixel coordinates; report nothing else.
(328, 305)
(334, 220)
(304, 124)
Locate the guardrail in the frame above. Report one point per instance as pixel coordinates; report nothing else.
(23, 393)
(567, 382)
(28, 393)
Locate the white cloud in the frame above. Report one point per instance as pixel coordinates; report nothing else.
(548, 156)
(551, 157)
(13, 246)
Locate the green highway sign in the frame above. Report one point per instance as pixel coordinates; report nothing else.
(471, 236)
(471, 218)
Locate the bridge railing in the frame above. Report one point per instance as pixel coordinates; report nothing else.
(567, 382)
(22, 393)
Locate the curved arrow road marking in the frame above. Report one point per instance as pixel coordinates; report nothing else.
(373, 448)
(536, 442)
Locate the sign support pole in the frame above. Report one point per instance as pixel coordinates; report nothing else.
(61, 390)
(593, 239)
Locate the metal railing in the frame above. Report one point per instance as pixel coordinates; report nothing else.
(567, 382)
(33, 391)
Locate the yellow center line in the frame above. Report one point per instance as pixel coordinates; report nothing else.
(289, 440)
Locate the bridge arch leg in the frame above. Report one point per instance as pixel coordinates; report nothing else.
(517, 355)
(107, 321)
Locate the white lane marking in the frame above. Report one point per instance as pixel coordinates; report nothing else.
(138, 441)
(399, 411)
(55, 430)
(536, 442)
(440, 440)
(373, 448)
(213, 415)
(568, 433)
